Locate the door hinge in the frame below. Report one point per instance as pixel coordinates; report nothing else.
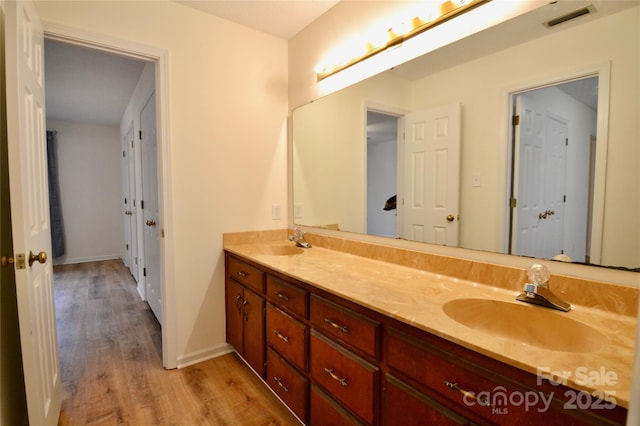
(161, 232)
(566, 142)
(142, 204)
(144, 272)
(123, 154)
(140, 134)
(515, 120)
(127, 246)
(564, 198)
(131, 143)
(513, 202)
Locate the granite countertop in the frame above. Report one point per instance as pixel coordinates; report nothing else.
(417, 297)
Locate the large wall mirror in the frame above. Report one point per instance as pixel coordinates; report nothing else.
(430, 150)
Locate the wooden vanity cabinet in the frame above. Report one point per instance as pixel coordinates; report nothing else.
(244, 309)
(334, 362)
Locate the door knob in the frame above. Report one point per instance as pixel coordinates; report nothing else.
(40, 257)
(151, 223)
(6, 261)
(450, 218)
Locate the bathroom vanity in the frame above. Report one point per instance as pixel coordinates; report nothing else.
(349, 339)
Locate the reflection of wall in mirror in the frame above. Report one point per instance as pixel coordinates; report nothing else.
(329, 167)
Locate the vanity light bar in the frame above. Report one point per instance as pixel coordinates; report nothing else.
(395, 36)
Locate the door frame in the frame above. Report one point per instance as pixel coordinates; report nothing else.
(398, 112)
(161, 58)
(603, 72)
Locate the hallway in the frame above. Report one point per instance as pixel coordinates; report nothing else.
(111, 362)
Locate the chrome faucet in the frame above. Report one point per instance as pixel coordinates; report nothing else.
(538, 292)
(298, 238)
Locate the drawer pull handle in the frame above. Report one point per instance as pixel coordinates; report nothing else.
(238, 301)
(284, 338)
(332, 323)
(282, 296)
(467, 394)
(329, 371)
(241, 274)
(279, 381)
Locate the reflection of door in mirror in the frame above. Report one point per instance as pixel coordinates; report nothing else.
(431, 170)
(428, 191)
(382, 173)
(553, 165)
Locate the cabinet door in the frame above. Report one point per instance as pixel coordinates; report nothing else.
(254, 342)
(403, 405)
(234, 315)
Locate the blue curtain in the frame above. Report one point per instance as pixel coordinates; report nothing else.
(55, 211)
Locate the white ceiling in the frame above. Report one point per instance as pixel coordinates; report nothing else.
(86, 85)
(281, 18)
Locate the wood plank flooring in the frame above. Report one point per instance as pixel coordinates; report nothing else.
(111, 362)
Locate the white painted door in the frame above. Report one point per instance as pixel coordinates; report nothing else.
(126, 202)
(529, 148)
(150, 206)
(432, 175)
(30, 210)
(539, 180)
(130, 209)
(554, 178)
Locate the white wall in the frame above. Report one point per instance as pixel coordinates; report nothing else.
(89, 160)
(227, 132)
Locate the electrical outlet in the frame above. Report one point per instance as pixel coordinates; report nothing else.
(297, 210)
(475, 181)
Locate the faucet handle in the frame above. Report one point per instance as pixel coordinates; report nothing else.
(539, 274)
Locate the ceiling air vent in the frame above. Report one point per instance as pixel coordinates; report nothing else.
(569, 16)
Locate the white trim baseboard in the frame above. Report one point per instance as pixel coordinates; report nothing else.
(204, 355)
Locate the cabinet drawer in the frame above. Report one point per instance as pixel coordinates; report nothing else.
(325, 411)
(404, 405)
(287, 336)
(291, 386)
(347, 377)
(287, 296)
(449, 375)
(246, 274)
(346, 325)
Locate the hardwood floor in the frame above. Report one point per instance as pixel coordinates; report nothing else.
(111, 362)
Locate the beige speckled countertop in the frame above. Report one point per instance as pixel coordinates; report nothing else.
(416, 297)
